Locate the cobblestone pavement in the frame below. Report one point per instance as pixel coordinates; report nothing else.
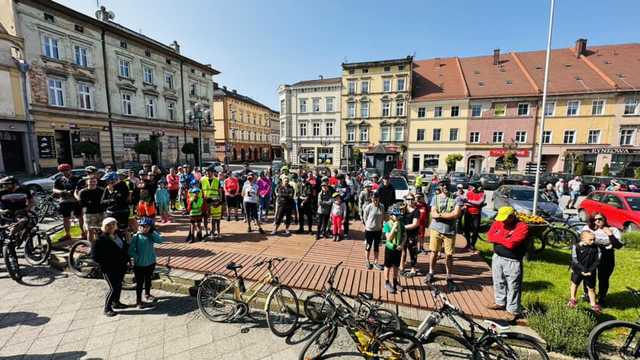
(59, 316)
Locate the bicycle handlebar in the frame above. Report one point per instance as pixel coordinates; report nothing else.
(438, 295)
(333, 272)
(268, 261)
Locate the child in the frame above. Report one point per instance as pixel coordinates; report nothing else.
(338, 212)
(162, 201)
(395, 234)
(146, 205)
(144, 259)
(194, 206)
(215, 211)
(585, 257)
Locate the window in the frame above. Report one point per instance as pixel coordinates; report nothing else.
(49, 18)
(127, 108)
(365, 71)
(303, 105)
(325, 156)
(399, 133)
(329, 104)
(420, 135)
(421, 112)
(283, 129)
(569, 137)
(168, 61)
(168, 80)
(385, 133)
(386, 108)
(400, 67)
(630, 106)
(455, 111)
(430, 160)
(50, 47)
(597, 107)
(549, 108)
(436, 134)
(282, 107)
(80, 55)
(351, 134)
(56, 97)
(315, 104)
(572, 108)
(351, 110)
(78, 28)
(474, 137)
(151, 108)
(364, 109)
(498, 137)
(400, 84)
(171, 110)
(594, 137)
(521, 137)
(84, 94)
(400, 108)
(308, 155)
(626, 136)
(546, 137)
(303, 129)
(147, 73)
(364, 134)
(123, 44)
(499, 109)
(387, 68)
(437, 111)
(453, 134)
(386, 85)
(316, 129)
(328, 128)
(352, 87)
(476, 110)
(523, 109)
(193, 89)
(364, 87)
(147, 53)
(124, 66)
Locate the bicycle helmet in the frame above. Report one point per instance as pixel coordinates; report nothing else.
(122, 172)
(193, 182)
(212, 168)
(194, 190)
(395, 211)
(64, 167)
(367, 183)
(8, 180)
(145, 221)
(110, 176)
(90, 169)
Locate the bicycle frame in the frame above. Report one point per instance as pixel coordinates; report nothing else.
(246, 296)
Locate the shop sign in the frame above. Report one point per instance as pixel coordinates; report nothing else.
(173, 142)
(614, 150)
(501, 152)
(129, 140)
(46, 147)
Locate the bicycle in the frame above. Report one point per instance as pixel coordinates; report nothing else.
(616, 339)
(223, 299)
(320, 306)
(47, 208)
(562, 232)
(494, 341)
(372, 342)
(37, 244)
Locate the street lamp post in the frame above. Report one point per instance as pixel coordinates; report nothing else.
(196, 117)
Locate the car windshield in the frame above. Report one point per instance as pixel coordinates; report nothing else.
(399, 183)
(522, 194)
(490, 176)
(634, 203)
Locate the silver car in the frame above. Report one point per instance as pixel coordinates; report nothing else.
(46, 184)
(520, 197)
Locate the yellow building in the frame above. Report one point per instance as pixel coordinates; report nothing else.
(374, 107)
(242, 127)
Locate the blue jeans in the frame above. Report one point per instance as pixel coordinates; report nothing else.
(263, 207)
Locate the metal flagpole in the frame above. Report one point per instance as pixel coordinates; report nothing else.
(544, 106)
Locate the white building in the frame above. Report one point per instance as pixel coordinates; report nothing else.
(310, 122)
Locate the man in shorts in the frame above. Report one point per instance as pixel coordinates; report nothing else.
(232, 195)
(445, 211)
(90, 198)
(395, 236)
(373, 220)
(64, 188)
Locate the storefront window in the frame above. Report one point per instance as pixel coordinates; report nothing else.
(325, 156)
(307, 156)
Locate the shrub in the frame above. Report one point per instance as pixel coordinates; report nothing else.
(605, 170)
(563, 329)
(631, 239)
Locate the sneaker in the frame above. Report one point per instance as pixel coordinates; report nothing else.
(144, 305)
(451, 286)
(572, 304)
(399, 287)
(110, 313)
(286, 232)
(429, 278)
(150, 298)
(390, 288)
(496, 307)
(274, 232)
(378, 266)
(261, 231)
(119, 306)
(368, 265)
(249, 229)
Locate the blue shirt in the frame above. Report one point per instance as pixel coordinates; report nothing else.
(141, 248)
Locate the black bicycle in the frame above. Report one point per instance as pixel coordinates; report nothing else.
(562, 232)
(37, 244)
(616, 339)
(47, 208)
(472, 340)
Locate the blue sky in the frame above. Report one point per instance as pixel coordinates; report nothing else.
(258, 45)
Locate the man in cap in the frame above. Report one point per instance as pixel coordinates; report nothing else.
(509, 238)
(64, 188)
(364, 197)
(373, 219)
(387, 193)
(474, 201)
(325, 201)
(250, 198)
(211, 190)
(90, 200)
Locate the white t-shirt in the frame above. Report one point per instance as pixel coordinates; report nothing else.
(601, 237)
(250, 192)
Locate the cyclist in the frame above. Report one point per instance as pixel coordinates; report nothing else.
(90, 199)
(128, 177)
(115, 200)
(64, 188)
(10, 185)
(211, 189)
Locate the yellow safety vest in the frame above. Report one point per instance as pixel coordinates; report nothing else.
(210, 188)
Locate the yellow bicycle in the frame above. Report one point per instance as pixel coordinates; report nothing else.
(224, 299)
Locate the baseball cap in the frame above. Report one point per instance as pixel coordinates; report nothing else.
(504, 212)
(460, 186)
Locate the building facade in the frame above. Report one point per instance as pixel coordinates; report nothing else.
(243, 127)
(98, 88)
(310, 122)
(375, 106)
(276, 146)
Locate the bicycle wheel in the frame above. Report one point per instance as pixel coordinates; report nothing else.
(317, 308)
(614, 339)
(513, 346)
(396, 345)
(560, 238)
(37, 249)
(319, 342)
(283, 311)
(11, 261)
(216, 298)
(450, 345)
(387, 318)
(80, 262)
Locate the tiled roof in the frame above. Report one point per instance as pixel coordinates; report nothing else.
(485, 79)
(226, 92)
(616, 60)
(355, 65)
(438, 79)
(334, 80)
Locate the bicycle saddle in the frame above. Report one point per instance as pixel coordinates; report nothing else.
(366, 296)
(233, 266)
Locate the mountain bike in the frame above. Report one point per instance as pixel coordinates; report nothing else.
(37, 244)
(475, 341)
(371, 341)
(320, 306)
(223, 299)
(562, 232)
(47, 208)
(616, 339)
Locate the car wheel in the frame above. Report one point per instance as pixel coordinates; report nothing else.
(583, 215)
(631, 227)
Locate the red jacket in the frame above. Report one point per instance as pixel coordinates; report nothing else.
(509, 241)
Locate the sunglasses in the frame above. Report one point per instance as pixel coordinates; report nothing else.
(409, 199)
(598, 219)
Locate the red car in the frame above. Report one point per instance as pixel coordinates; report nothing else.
(622, 209)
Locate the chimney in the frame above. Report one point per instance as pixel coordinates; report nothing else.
(321, 77)
(438, 62)
(225, 87)
(235, 91)
(496, 56)
(581, 47)
(215, 85)
(175, 46)
(103, 15)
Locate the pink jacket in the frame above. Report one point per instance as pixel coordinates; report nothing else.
(264, 187)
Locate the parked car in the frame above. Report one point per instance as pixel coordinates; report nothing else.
(276, 165)
(456, 178)
(488, 181)
(368, 172)
(520, 197)
(621, 208)
(427, 174)
(593, 183)
(399, 173)
(46, 184)
(401, 186)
